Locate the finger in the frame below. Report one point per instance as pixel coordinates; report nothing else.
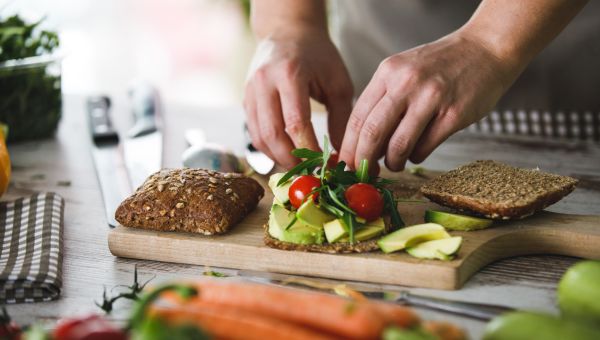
(272, 128)
(339, 106)
(295, 103)
(365, 103)
(404, 139)
(377, 129)
(252, 120)
(436, 132)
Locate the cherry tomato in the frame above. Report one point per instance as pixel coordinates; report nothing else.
(364, 200)
(90, 327)
(301, 187)
(10, 331)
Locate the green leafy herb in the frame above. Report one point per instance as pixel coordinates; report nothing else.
(391, 205)
(362, 173)
(214, 273)
(308, 165)
(338, 202)
(304, 153)
(291, 222)
(349, 221)
(132, 293)
(30, 97)
(325, 157)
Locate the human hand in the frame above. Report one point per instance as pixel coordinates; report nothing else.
(287, 70)
(418, 98)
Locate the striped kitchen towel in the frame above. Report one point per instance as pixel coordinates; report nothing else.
(31, 249)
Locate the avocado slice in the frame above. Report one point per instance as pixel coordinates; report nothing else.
(455, 221)
(442, 249)
(311, 214)
(335, 230)
(280, 192)
(410, 236)
(299, 232)
(369, 231)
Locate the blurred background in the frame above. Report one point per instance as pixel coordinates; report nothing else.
(195, 51)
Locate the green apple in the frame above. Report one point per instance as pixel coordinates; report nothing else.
(578, 292)
(531, 326)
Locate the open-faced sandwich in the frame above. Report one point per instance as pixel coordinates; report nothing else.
(320, 206)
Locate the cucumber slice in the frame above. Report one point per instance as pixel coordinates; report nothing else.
(456, 222)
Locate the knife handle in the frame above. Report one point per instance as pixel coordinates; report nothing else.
(473, 310)
(101, 126)
(144, 106)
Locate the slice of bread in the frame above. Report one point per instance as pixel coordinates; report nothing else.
(190, 200)
(497, 191)
(330, 248)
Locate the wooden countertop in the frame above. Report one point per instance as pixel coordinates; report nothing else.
(64, 165)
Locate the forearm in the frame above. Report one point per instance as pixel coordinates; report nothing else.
(273, 17)
(516, 31)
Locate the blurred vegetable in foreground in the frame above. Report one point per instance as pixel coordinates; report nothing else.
(579, 292)
(4, 161)
(30, 82)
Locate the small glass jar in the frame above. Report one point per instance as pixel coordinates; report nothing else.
(30, 97)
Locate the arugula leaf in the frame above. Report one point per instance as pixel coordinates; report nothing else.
(337, 212)
(325, 157)
(349, 222)
(362, 173)
(291, 222)
(306, 165)
(391, 206)
(306, 153)
(334, 197)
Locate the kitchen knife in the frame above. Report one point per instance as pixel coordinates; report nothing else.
(257, 160)
(143, 146)
(108, 158)
(473, 310)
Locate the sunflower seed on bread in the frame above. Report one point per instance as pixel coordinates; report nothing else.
(190, 200)
(498, 191)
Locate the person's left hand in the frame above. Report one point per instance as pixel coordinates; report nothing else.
(418, 98)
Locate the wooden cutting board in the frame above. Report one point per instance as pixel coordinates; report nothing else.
(243, 248)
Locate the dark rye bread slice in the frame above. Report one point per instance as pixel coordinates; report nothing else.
(498, 191)
(190, 200)
(330, 248)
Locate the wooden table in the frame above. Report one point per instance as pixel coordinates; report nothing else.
(64, 165)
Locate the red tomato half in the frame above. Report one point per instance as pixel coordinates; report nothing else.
(90, 327)
(365, 201)
(301, 187)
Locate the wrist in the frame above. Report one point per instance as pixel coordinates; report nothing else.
(288, 18)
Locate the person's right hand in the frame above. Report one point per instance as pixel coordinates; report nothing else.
(287, 70)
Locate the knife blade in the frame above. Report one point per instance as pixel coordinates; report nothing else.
(143, 146)
(108, 157)
(257, 160)
(478, 311)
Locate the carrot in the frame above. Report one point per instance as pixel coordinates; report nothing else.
(396, 315)
(233, 323)
(328, 313)
(444, 330)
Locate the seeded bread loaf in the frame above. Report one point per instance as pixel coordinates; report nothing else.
(190, 200)
(497, 190)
